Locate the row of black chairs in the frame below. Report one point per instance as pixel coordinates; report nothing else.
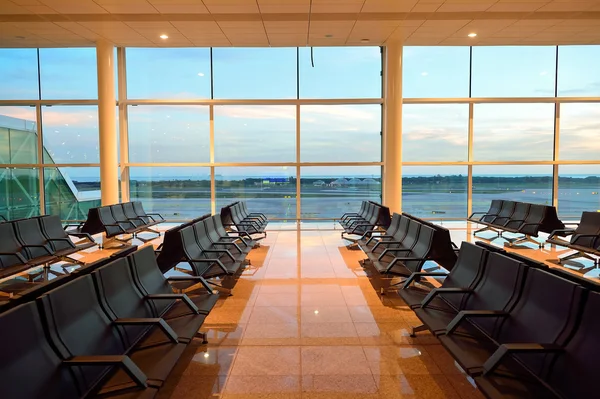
(584, 239)
(516, 326)
(210, 251)
(370, 217)
(518, 218)
(237, 216)
(406, 245)
(37, 241)
(126, 219)
(117, 332)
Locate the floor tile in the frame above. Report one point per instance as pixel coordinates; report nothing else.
(267, 360)
(329, 334)
(272, 334)
(263, 384)
(325, 314)
(274, 315)
(334, 360)
(395, 360)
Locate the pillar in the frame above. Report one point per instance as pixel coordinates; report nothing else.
(109, 160)
(392, 138)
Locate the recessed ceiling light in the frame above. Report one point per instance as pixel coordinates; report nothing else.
(472, 35)
(19, 37)
(164, 36)
(364, 40)
(328, 36)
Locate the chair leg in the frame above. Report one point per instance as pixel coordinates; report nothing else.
(417, 329)
(203, 336)
(576, 255)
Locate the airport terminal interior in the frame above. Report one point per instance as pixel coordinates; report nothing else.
(273, 199)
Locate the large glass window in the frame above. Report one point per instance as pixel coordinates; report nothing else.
(340, 72)
(435, 191)
(162, 134)
(579, 132)
(578, 190)
(516, 71)
(177, 193)
(328, 192)
(166, 73)
(19, 74)
(269, 190)
(68, 73)
(513, 132)
(435, 72)
(578, 74)
(435, 132)
(523, 183)
(20, 192)
(71, 192)
(18, 135)
(340, 133)
(255, 133)
(70, 134)
(254, 73)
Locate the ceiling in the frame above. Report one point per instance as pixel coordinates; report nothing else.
(69, 23)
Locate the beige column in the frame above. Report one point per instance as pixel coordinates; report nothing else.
(392, 137)
(109, 160)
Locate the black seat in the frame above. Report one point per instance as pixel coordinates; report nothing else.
(146, 217)
(585, 239)
(571, 370)
(60, 242)
(12, 259)
(153, 283)
(34, 245)
(544, 314)
(464, 275)
(29, 350)
(497, 290)
(112, 227)
(492, 222)
(233, 251)
(366, 242)
(529, 226)
(82, 328)
(231, 243)
(494, 210)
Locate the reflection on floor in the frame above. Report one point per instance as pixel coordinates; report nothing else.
(305, 321)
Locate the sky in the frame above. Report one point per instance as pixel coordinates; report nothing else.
(329, 133)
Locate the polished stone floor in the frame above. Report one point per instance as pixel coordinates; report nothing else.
(305, 321)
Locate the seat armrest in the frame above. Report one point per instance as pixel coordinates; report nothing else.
(437, 291)
(210, 260)
(155, 214)
(505, 349)
(386, 242)
(184, 298)
(558, 231)
(385, 251)
(465, 314)
(367, 233)
(219, 251)
(416, 275)
(160, 323)
(230, 244)
(124, 362)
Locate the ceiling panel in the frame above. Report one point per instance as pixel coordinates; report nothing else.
(286, 22)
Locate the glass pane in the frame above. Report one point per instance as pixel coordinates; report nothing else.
(340, 133)
(578, 190)
(71, 192)
(255, 133)
(513, 132)
(19, 72)
(69, 73)
(269, 190)
(160, 133)
(160, 73)
(18, 135)
(20, 193)
(516, 71)
(435, 72)
(251, 73)
(578, 71)
(579, 132)
(435, 132)
(435, 192)
(329, 192)
(522, 183)
(176, 193)
(70, 134)
(340, 72)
